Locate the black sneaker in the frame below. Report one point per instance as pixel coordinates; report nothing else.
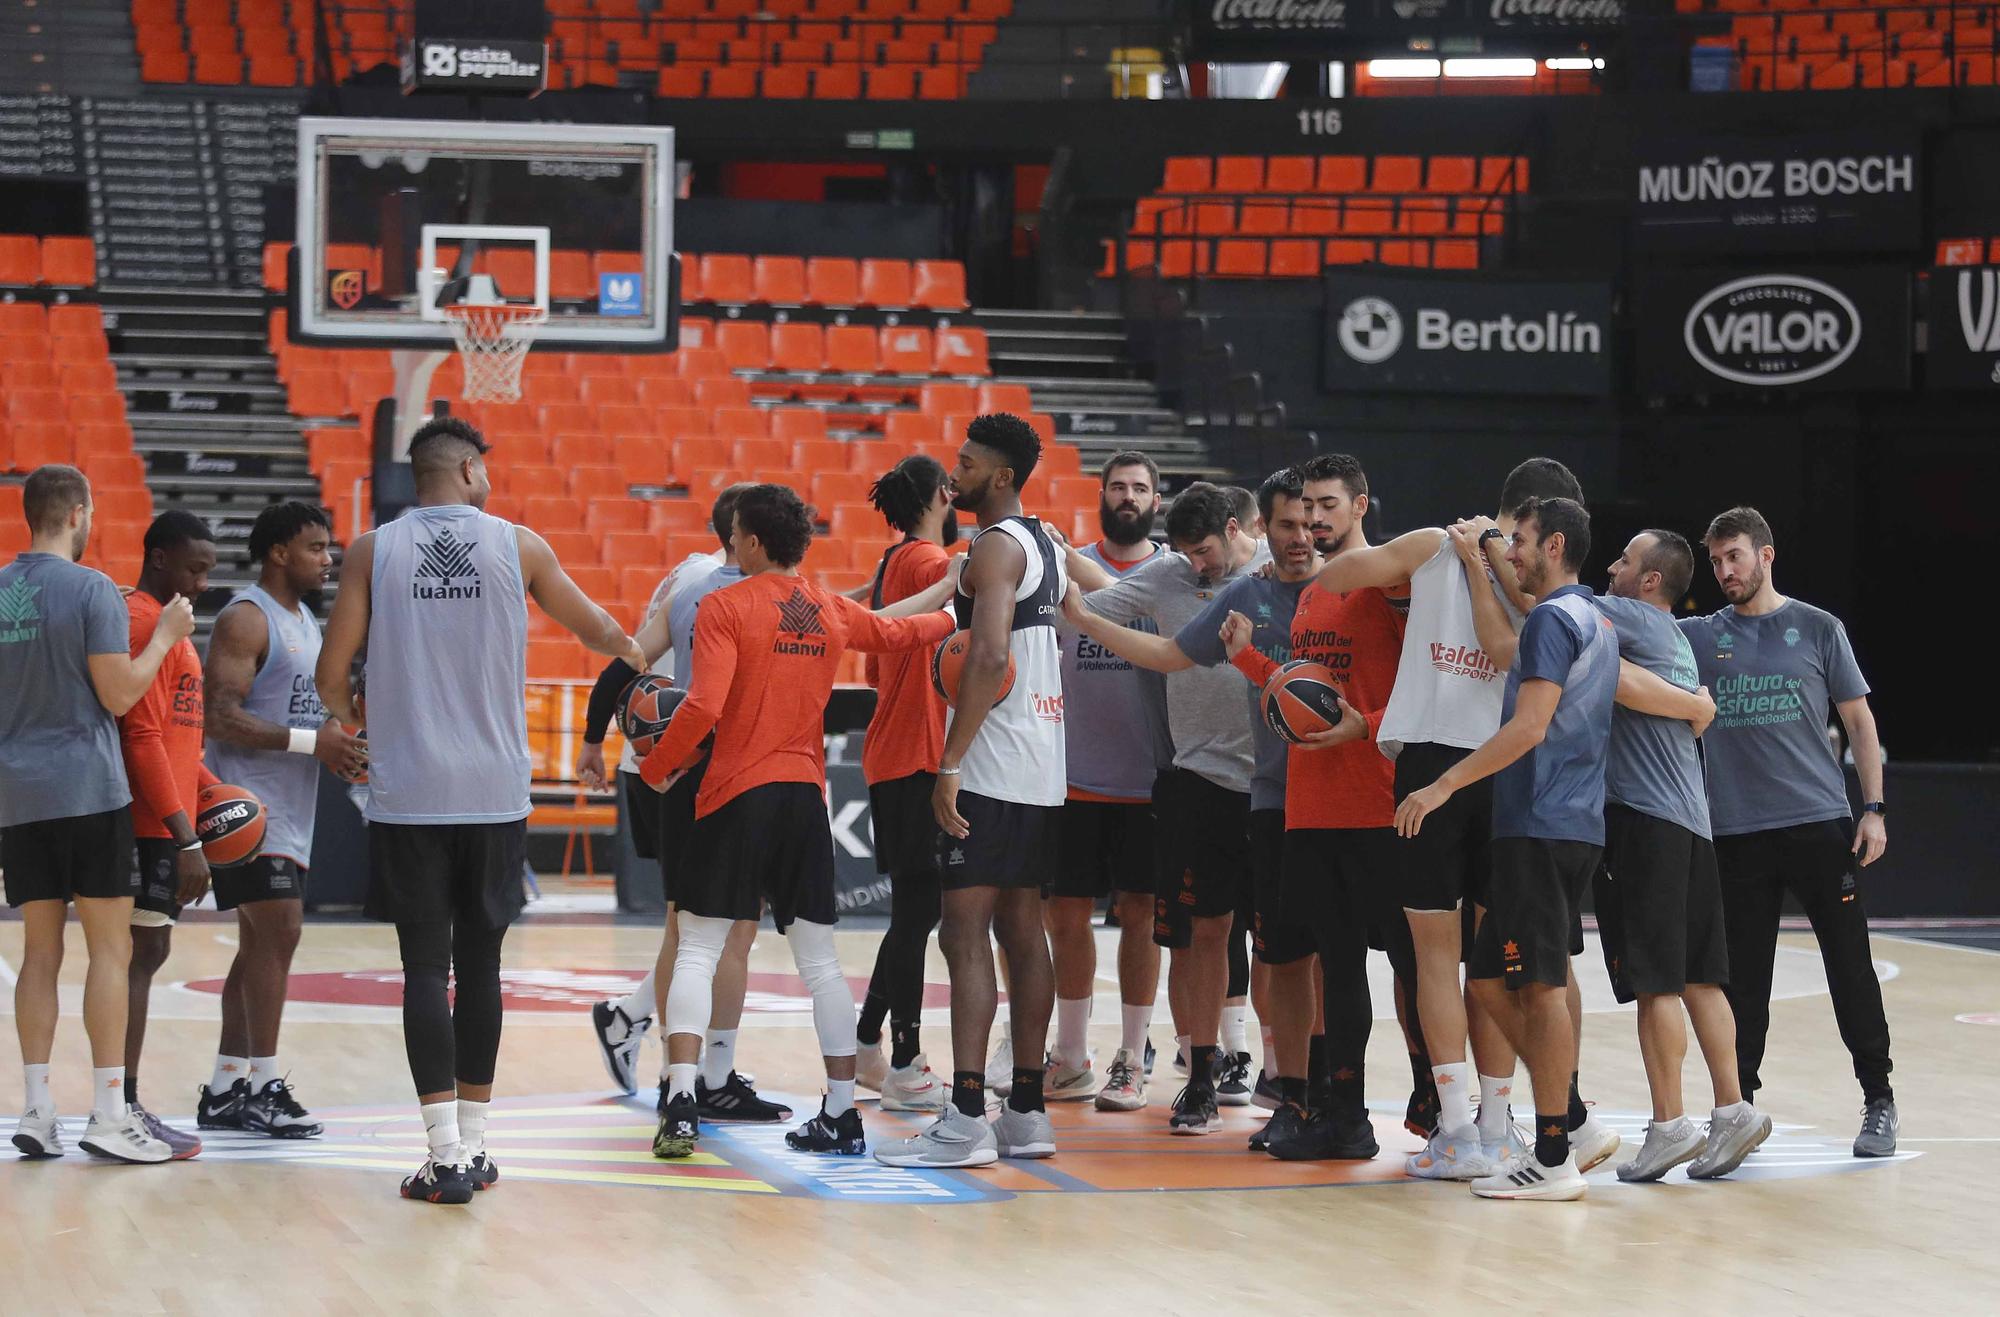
(1328, 1136)
(484, 1172)
(840, 1135)
(1266, 1094)
(1232, 1079)
(1284, 1123)
(660, 1105)
(224, 1112)
(1420, 1117)
(618, 1040)
(1195, 1112)
(1151, 1053)
(680, 1128)
(439, 1184)
(274, 1111)
(736, 1102)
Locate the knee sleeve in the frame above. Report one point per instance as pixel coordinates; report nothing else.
(691, 994)
(476, 1008)
(428, 1040)
(1239, 959)
(833, 1000)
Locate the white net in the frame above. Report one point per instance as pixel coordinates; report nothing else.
(493, 342)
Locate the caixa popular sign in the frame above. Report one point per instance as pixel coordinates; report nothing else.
(1782, 331)
(1280, 29)
(474, 64)
(1858, 191)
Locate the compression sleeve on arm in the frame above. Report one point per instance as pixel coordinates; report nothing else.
(611, 683)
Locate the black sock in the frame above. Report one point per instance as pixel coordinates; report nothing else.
(1421, 1078)
(1551, 1139)
(903, 1046)
(1201, 1068)
(1292, 1090)
(1577, 1114)
(1316, 1067)
(131, 1091)
(1027, 1092)
(968, 1092)
(874, 1009)
(1345, 1089)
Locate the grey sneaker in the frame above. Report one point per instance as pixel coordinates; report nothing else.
(1733, 1134)
(953, 1140)
(1024, 1133)
(1666, 1147)
(124, 1139)
(1879, 1126)
(183, 1145)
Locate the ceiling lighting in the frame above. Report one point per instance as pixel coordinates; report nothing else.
(1403, 68)
(1489, 68)
(1572, 64)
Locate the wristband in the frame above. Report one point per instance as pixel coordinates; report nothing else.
(194, 845)
(949, 772)
(304, 741)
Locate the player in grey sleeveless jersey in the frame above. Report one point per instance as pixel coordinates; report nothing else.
(439, 596)
(269, 734)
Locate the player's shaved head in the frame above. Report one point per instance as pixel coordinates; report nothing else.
(440, 444)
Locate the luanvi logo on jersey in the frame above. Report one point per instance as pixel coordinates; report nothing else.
(798, 617)
(445, 570)
(1772, 329)
(20, 619)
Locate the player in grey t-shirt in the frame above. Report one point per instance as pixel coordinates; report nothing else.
(1657, 895)
(1779, 803)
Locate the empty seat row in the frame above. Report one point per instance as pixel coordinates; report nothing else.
(1298, 175)
(841, 82)
(1364, 216)
(1181, 258)
(61, 262)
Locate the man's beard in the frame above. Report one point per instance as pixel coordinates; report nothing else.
(78, 542)
(1128, 529)
(970, 500)
(1534, 575)
(1751, 586)
(948, 532)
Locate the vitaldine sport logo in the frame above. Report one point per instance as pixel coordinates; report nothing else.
(1772, 329)
(445, 570)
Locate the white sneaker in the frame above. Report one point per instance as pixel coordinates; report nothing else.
(1456, 1156)
(1024, 1133)
(618, 1040)
(1124, 1084)
(1667, 1146)
(912, 1088)
(1514, 1143)
(1591, 1143)
(954, 1140)
(871, 1066)
(39, 1134)
(1733, 1134)
(1000, 1068)
(124, 1139)
(1524, 1177)
(1060, 1083)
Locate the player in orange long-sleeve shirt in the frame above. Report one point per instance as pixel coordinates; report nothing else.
(161, 738)
(765, 653)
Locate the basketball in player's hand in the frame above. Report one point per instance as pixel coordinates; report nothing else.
(646, 710)
(1301, 698)
(229, 823)
(948, 665)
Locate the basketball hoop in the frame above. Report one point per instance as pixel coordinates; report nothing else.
(493, 340)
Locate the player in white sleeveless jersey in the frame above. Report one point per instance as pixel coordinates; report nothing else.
(269, 734)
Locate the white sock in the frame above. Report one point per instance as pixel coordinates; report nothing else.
(107, 1087)
(35, 1079)
(640, 1004)
(1454, 1082)
(1669, 1126)
(718, 1057)
(1720, 1113)
(1270, 1044)
(441, 1130)
(1073, 1031)
(839, 1096)
(1235, 1034)
(263, 1069)
(680, 1079)
(1134, 1021)
(228, 1069)
(472, 1126)
(1494, 1112)
(1182, 1049)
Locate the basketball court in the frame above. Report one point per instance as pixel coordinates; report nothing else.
(585, 1219)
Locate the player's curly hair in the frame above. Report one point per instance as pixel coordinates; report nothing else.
(779, 519)
(906, 491)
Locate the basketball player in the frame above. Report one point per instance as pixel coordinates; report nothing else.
(1201, 803)
(899, 759)
(162, 740)
(268, 733)
(1779, 801)
(67, 673)
(721, 1092)
(1547, 762)
(439, 597)
(1446, 701)
(1001, 780)
(1283, 944)
(1658, 897)
(765, 652)
(1115, 739)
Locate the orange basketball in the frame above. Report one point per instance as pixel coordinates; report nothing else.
(949, 662)
(1300, 699)
(646, 710)
(229, 822)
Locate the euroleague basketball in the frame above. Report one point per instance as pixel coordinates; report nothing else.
(229, 823)
(1302, 698)
(948, 664)
(646, 710)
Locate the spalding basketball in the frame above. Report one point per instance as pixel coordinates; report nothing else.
(229, 822)
(646, 710)
(1301, 699)
(949, 662)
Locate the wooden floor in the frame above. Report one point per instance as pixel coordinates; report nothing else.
(1123, 1219)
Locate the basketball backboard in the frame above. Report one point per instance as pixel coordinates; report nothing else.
(395, 217)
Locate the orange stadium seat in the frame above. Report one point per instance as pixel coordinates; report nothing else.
(833, 281)
(745, 344)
